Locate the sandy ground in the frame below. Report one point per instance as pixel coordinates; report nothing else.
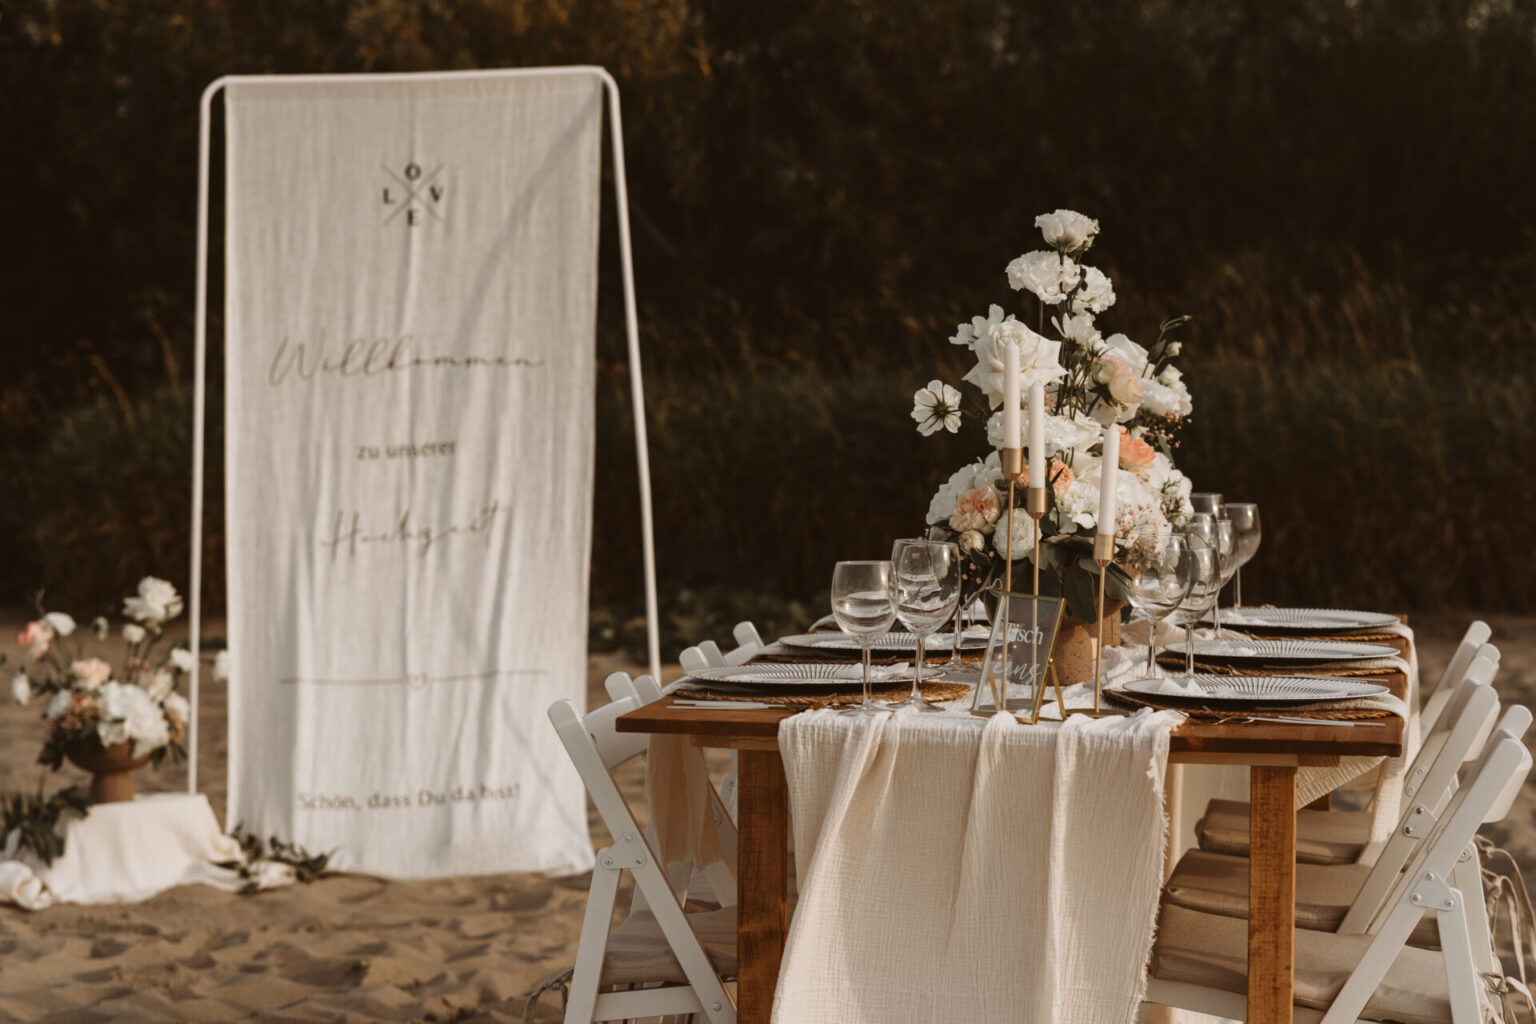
(351, 948)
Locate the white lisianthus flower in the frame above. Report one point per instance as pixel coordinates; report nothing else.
(61, 624)
(128, 713)
(1023, 529)
(979, 327)
(59, 704)
(1067, 230)
(133, 632)
(177, 707)
(964, 480)
(160, 685)
(181, 659)
(1039, 360)
(221, 666)
(1097, 294)
(935, 407)
(1049, 275)
(21, 688)
(156, 602)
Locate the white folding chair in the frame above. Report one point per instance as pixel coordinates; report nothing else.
(662, 960)
(1345, 897)
(709, 655)
(1197, 963)
(1471, 645)
(1335, 837)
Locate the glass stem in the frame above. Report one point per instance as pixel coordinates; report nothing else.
(1151, 645)
(1189, 647)
(1215, 615)
(954, 656)
(917, 677)
(867, 699)
(1237, 589)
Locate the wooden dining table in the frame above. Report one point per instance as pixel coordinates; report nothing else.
(1272, 751)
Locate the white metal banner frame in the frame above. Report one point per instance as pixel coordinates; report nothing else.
(200, 341)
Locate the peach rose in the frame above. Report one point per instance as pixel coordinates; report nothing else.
(975, 510)
(91, 672)
(1060, 477)
(1134, 452)
(1114, 372)
(37, 637)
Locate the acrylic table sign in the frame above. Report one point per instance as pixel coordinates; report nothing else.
(1016, 669)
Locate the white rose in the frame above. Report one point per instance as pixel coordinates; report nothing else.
(1050, 276)
(157, 601)
(979, 327)
(1134, 355)
(62, 624)
(221, 666)
(984, 473)
(133, 633)
(1097, 293)
(1039, 360)
(21, 688)
(1067, 230)
(177, 707)
(181, 659)
(1023, 529)
(59, 704)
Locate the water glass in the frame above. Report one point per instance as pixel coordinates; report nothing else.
(864, 605)
(1160, 580)
(1205, 581)
(1205, 503)
(927, 580)
(1245, 524)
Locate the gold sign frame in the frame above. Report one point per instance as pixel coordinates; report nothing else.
(1030, 654)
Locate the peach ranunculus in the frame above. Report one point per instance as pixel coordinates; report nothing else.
(1060, 476)
(975, 510)
(1135, 454)
(90, 672)
(37, 637)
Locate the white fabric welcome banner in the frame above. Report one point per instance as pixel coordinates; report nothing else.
(411, 303)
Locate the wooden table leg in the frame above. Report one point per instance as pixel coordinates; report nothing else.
(761, 901)
(1271, 894)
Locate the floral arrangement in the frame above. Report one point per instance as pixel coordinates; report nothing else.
(89, 699)
(1090, 382)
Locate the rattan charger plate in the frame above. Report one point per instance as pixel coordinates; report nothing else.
(1177, 661)
(1229, 714)
(933, 692)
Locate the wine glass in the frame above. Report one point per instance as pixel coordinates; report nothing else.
(1204, 582)
(1205, 502)
(927, 579)
(1226, 548)
(864, 604)
(1160, 579)
(1245, 523)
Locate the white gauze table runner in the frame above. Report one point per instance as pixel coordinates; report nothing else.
(954, 868)
(411, 303)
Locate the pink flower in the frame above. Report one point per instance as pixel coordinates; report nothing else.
(36, 638)
(1134, 452)
(1060, 477)
(975, 510)
(1124, 386)
(91, 672)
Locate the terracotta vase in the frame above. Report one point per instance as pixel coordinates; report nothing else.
(110, 768)
(1073, 653)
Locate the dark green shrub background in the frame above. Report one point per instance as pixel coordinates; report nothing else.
(1340, 193)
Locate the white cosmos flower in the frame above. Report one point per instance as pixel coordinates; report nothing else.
(62, 624)
(1079, 329)
(1039, 360)
(21, 688)
(1049, 275)
(1097, 293)
(935, 407)
(1067, 230)
(156, 602)
(979, 327)
(986, 472)
(1023, 528)
(133, 632)
(181, 659)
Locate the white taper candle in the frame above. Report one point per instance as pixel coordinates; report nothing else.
(1037, 435)
(1010, 395)
(1109, 476)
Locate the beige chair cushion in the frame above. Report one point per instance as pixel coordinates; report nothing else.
(639, 954)
(1217, 883)
(1212, 951)
(1322, 837)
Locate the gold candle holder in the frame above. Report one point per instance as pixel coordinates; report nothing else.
(1034, 505)
(1012, 465)
(1103, 555)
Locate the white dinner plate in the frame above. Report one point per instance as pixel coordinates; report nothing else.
(1256, 689)
(975, 639)
(1304, 620)
(1292, 652)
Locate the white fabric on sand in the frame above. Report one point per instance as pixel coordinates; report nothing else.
(954, 868)
(411, 309)
(128, 852)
